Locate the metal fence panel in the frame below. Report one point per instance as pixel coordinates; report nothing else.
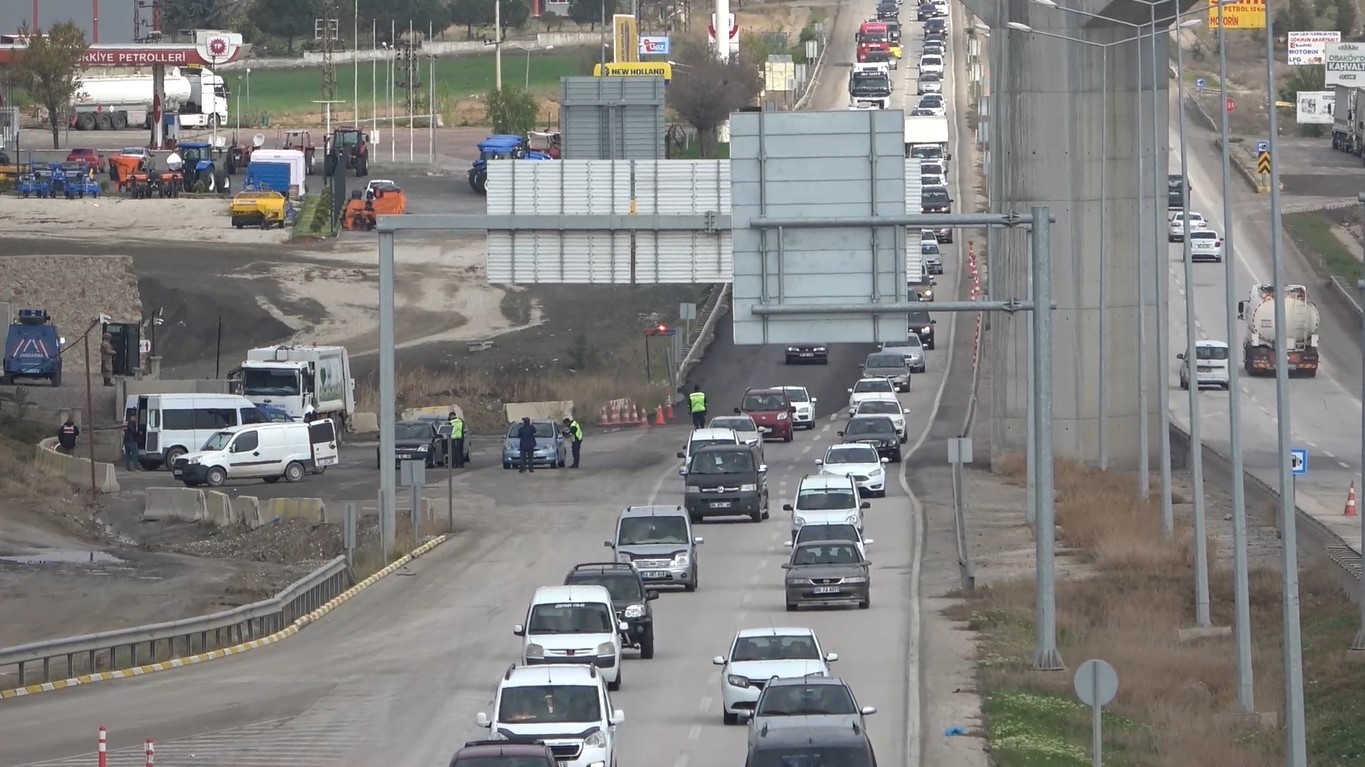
(613, 118)
(914, 203)
(673, 187)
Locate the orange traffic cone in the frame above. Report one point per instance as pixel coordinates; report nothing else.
(632, 415)
(615, 418)
(659, 416)
(1351, 500)
(602, 417)
(668, 409)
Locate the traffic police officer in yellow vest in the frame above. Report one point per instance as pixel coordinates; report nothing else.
(696, 402)
(574, 432)
(456, 457)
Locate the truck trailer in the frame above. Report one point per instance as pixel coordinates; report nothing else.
(1301, 331)
(927, 139)
(118, 102)
(1346, 119)
(301, 380)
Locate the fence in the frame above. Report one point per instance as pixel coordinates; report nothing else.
(138, 645)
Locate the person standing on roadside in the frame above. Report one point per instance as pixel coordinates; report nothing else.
(107, 359)
(66, 437)
(526, 443)
(130, 459)
(696, 403)
(574, 431)
(456, 457)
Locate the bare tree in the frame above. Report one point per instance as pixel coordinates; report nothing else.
(705, 90)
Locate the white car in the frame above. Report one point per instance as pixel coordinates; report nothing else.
(545, 702)
(1206, 245)
(1177, 225)
(927, 236)
(742, 425)
(929, 84)
(889, 407)
(804, 417)
(934, 103)
(757, 655)
(861, 462)
(700, 438)
(869, 388)
(826, 498)
(931, 63)
(835, 532)
(1211, 365)
(573, 625)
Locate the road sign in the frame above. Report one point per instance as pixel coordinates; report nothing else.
(1262, 147)
(1201, 83)
(1232, 105)
(1298, 461)
(1096, 683)
(1263, 163)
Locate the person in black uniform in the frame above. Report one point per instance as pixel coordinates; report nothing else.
(66, 437)
(526, 443)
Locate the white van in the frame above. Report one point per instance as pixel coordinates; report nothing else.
(266, 451)
(170, 425)
(573, 624)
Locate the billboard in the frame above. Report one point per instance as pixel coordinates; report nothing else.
(652, 45)
(1307, 48)
(1345, 64)
(625, 35)
(1315, 107)
(1242, 14)
(635, 69)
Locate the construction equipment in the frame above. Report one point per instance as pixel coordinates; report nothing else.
(302, 140)
(201, 171)
(74, 180)
(239, 155)
(351, 146)
(502, 147)
(380, 198)
(1301, 330)
(36, 183)
(263, 208)
(32, 349)
(138, 177)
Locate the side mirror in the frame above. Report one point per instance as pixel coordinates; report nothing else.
(61, 341)
(736, 411)
(788, 544)
(1180, 356)
(864, 563)
(481, 719)
(617, 717)
(718, 661)
(650, 596)
(884, 460)
(786, 565)
(698, 541)
(866, 505)
(623, 626)
(819, 462)
(868, 710)
(861, 366)
(950, 157)
(850, 391)
(608, 544)
(933, 322)
(763, 469)
(745, 716)
(868, 541)
(682, 472)
(814, 400)
(519, 630)
(681, 454)
(791, 409)
(839, 433)
(831, 657)
(786, 507)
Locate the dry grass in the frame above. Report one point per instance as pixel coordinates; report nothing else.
(1174, 697)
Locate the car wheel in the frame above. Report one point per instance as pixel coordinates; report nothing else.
(173, 454)
(614, 686)
(294, 472)
(696, 518)
(647, 645)
(692, 585)
(866, 603)
(730, 719)
(216, 477)
(1184, 384)
(756, 515)
(896, 457)
(789, 436)
(791, 607)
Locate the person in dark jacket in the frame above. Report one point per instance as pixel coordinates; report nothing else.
(526, 442)
(130, 461)
(66, 437)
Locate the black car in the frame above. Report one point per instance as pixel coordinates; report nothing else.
(443, 427)
(936, 38)
(934, 24)
(935, 199)
(887, 12)
(922, 325)
(807, 354)
(878, 431)
(629, 598)
(925, 12)
(417, 441)
(522, 752)
(726, 481)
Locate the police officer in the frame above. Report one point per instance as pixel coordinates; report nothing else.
(575, 433)
(66, 437)
(696, 402)
(456, 457)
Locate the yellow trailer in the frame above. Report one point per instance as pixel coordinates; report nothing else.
(262, 209)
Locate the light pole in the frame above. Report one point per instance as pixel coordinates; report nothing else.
(529, 51)
(250, 122)
(355, 60)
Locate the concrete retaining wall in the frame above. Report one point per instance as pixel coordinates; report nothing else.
(75, 470)
(310, 510)
(429, 48)
(206, 507)
(555, 410)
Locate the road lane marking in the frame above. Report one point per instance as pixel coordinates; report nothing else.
(694, 733)
(680, 761)
(705, 704)
(1343, 464)
(747, 598)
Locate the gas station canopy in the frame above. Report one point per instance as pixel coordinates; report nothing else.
(209, 49)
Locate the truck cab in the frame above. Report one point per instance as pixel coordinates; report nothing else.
(32, 349)
(300, 380)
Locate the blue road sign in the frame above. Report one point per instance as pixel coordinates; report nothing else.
(1262, 147)
(1298, 461)
(1201, 83)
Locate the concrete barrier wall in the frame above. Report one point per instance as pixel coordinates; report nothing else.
(46, 460)
(364, 423)
(414, 413)
(429, 48)
(206, 507)
(553, 410)
(310, 510)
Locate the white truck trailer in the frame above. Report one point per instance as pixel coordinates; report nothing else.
(118, 102)
(1301, 331)
(926, 138)
(298, 379)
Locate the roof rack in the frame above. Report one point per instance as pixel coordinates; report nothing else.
(604, 565)
(510, 669)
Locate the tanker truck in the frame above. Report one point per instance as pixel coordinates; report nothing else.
(119, 102)
(1301, 331)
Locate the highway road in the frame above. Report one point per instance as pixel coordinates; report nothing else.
(396, 676)
(1324, 411)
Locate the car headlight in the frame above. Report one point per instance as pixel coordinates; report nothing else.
(421, 449)
(852, 519)
(623, 558)
(749, 488)
(534, 651)
(781, 416)
(792, 349)
(692, 489)
(925, 329)
(798, 521)
(682, 559)
(635, 611)
(595, 740)
(856, 579)
(195, 459)
(606, 648)
(877, 472)
(736, 681)
(820, 349)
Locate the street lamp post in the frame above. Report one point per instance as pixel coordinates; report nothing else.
(529, 50)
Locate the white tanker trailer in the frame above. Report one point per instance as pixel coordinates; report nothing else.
(1301, 330)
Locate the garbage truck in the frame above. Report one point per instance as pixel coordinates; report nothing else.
(301, 380)
(32, 349)
(1301, 330)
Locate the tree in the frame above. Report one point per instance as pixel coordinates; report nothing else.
(470, 14)
(512, 111)
(590, 11)
(290, 19)
(553, 22)
(49, 70)
(422, 14)
(515, 14)
(704, 90)
(189, 14)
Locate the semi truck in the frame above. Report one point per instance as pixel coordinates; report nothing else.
(869, 89)
(197, 95)
(1347, 132)
(926, 138)
(301, 380)
(1301, 330)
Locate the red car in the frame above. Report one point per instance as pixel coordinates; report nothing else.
(771, 410)
(87, 156)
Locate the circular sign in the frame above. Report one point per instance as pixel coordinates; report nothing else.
(734, 26)
(1096, 683)
(1201, 83)
(218, 46)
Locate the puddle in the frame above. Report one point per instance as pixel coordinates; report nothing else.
(63, 557)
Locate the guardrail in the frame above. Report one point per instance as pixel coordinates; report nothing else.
(138, 645)
(711, 311)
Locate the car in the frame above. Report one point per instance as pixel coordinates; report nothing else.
(1206, 245)
(804, 417)
(700, 438)
(88, 156)
(876, 430)
(937, 25)
(929, 82)
(725, 481)
(921, 112)
(937, 169)
(843, 746)
(1177, 224)
(416, 441)
(573, 625)
(925, 11)
(628, 595)
(1211, 365)
(529, 751)
(934, 48)
(913, 350)
(799, 354)
(534, 701)
(757, 655)
(443, 428)
(832, 531)
(551, 447)
(931, 256)
(863, 463)
(826, 498)
(827, 572)
(889, 407)
(806, 702)
(891, 366)
(136, 151)
(935, 38)
(931, 63)
(869, 388)
(771, 410)
(936, 199)
(746, 431)
(922, 325)
(921, 289)
(658, 541)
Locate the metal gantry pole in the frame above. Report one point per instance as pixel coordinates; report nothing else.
(1104, 264)
(355, 61)
(387, 394)
(1246, 692)
(1295, 748)
(1358, 644)
(1031, 414)
(1144, 473)
(1163, 279)
(1046, 657)
(1202, 618)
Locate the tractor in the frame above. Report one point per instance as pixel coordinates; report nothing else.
(201, 173)
(302, 140)
(503, 147)
(239, 154)
(350, 146)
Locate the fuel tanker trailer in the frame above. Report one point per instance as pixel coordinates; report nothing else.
(1301, 330)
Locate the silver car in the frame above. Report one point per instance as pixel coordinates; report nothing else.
(891, 366)
(932, 257)
(658, 542)
(912, 349)
(827, 572)
(809, 701)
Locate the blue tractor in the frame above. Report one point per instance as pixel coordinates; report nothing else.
(501, 147)
(201, 173)
(33, 349)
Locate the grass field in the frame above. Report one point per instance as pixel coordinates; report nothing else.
(276, 94)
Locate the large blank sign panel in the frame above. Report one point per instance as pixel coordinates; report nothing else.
(818, 165)
(610, 191)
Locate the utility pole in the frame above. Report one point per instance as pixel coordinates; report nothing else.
(327, 30)
(149, 30)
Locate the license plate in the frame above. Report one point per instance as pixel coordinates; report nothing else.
(826, 589)
(807, 354)
(763, 430)
(654, 574)
(177, 473)
(1203, 369)
(720, 504)
(326, 461)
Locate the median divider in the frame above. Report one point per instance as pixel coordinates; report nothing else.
(310, 510)
(76, 470)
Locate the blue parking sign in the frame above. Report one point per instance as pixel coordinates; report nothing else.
(1201, 83)
(1262, 147)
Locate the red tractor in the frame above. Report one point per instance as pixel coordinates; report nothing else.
(350, 146)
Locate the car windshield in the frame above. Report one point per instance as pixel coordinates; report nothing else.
(411, 432)
(879, 407)
(811, 756)
(1211, 352)
(764, 402)
(913, 341)
(544, 430)
(1204, 235)
(722, 462)
(828, 533)
(623, 588)
(919, 319)
(869, 426)
(218, 441)
(792, 647)
(885, 361)
(571, 618)
(928, 249)
(825, 499)
(855, 454)
(930, 61)
(928, 181)
(872, 385)
(550, 704)
(798, 395)
(698, 444)
(730, 422)
(637, 531)
(842, 553)
(876, 57)
(806, 700)
(934, 196)
(499, 761)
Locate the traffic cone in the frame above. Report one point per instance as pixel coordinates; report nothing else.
(602, 417)
(615, 417)
(668, 409)
(1351, 500)
(659, 416)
